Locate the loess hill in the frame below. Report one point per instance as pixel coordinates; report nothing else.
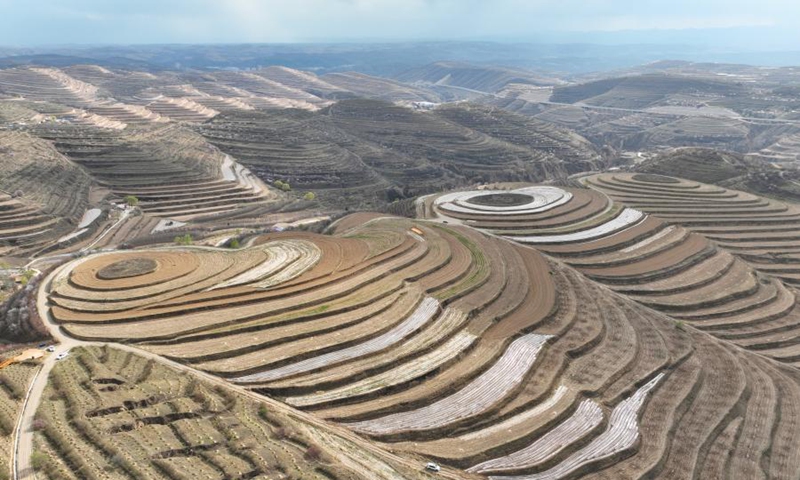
(42, 194)
(364, 147)
(618, 325)
(441, 342)
(659, 106)
(458, 79)
(641, 91)
(706, 256)
(757, 174)
(354, 140)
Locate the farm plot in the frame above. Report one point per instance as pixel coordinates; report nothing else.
(476, 397)
(115, 414)
(519, 202)
(760, 231)
(172, 171)
(666, 267)
(586, 417)
(620, 435)
(47, 84)
(447, 344)
(46, 194)
(287, 260)
(14, 381)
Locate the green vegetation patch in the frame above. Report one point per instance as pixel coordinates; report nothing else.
(501, 200)
(133, 267)
(480, 267)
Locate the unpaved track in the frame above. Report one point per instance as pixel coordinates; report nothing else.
(23, 442)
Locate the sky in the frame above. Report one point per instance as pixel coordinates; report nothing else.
(756, 24)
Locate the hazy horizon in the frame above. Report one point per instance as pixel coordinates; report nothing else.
(770, 25)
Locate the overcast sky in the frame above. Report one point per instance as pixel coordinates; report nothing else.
(767, 23)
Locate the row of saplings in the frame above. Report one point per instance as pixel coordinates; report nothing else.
(64, 386)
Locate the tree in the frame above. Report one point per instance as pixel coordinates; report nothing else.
(234, 243)
(310, 196)
(27, 275)
(184, 239)
(131, 201)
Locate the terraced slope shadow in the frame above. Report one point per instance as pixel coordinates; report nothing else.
(441, 342)
(42, 194)
(666, 267)
(173, 172)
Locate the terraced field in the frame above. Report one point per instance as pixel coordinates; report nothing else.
(119, 415)
(343, 136)
(440, 342)
(92, 92)
(621, 325)
(677, 259)
(285, 146)
(42, 194)
(172, 171)
(47, 84)
(364, 152)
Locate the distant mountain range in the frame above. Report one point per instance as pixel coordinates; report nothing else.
(384, 59)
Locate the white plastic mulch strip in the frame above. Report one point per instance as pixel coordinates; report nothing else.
(627, 218)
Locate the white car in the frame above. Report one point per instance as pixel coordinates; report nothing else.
(432, 467)
(51, 349)
(62, 355)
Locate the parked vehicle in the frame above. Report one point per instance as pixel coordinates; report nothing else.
(432, 467)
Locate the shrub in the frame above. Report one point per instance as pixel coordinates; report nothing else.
(27, 275)
(6, 424)
(313, 454)
(310, 196)
(234, 243)
(38, 425)
(131, 201)
(282, 433)
(14, 390)
(38, 460)
(184, 239)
